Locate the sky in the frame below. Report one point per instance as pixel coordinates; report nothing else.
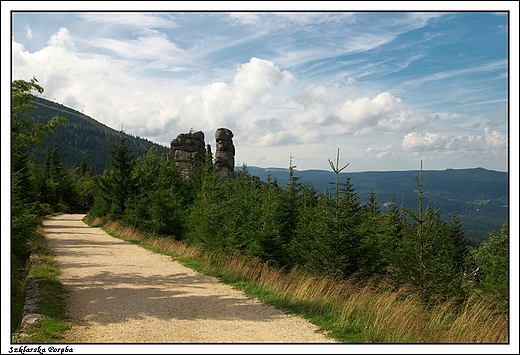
(387, 89)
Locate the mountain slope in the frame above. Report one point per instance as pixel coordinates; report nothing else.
(83, 137)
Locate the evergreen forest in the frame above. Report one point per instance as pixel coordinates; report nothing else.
(285, 223)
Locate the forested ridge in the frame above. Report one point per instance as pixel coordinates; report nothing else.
(81, 138)
(286, 223)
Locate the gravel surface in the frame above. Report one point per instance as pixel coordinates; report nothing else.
(122, 293)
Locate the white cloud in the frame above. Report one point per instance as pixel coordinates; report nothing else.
(493, 142)
(385, 112)
(259, 75)
(364, 112)
(28, 32)
(451, 74)
(62, 38)
(248, 96)
(380, 152)
(156, 47)
(316, 105)
(495, 139)
(414, 141)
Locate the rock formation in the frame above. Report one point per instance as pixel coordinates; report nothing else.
(188, 150)
(224, 161)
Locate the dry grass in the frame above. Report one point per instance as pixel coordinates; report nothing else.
(376, 311)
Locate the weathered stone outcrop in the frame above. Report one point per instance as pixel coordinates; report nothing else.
(188, 150)
(224, 161)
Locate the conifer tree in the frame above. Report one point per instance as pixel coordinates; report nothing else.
(419, 242)
(54, 171)
(374, 235)
(274, 224)
(287, 203)
(86, 185)
(458, 252)
(118, 184)
(492, 259)
(430, 254)
(206, 215)
(301, 244)
(330, 231)
(156, 205)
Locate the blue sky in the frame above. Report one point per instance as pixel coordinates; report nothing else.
(388, 89)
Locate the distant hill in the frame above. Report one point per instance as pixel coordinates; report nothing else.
(83, 136)
(478, 196)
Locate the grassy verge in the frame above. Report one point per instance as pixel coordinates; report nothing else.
(52, 296)
(17, 296)
(346, 311)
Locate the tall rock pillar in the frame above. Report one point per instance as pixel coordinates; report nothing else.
(188, 150)
(224, 161)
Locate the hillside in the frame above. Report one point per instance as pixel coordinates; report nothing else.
(478, 196)
(83, 136)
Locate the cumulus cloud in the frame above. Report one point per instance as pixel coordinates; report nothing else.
(365, 112)
(384, 112)
(490, 140)
(259, 75)
(62, 38)
(428, 141)
(315, 105)
(250, 91)
(380, 152)
(495, 139)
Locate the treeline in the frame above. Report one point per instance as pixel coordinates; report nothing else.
(283, 223)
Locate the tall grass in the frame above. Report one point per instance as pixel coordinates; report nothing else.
(351, 312)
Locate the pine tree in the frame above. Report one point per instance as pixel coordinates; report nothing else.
(492, 259)
(118, 183)
(373, 233)
(287, 204)
(206, 215)
(86, 185)
(300, 247)
(157, 205)
(276, 226)
(458, 252)
(54, 170)
(329, 230)
(419, 243)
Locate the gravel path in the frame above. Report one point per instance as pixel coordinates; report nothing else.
(122, 293)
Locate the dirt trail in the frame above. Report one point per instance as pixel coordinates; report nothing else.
(122, 293)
